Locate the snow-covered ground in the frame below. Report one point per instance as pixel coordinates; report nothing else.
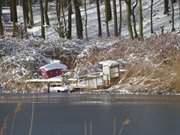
(20, 59)
(159, 19)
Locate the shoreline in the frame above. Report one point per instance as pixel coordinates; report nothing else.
(102, 98)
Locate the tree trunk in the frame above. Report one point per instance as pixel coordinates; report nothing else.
(42, 19)
(172, 8)
(79, 25)
(1, 24)
(134, 19)
(31, 19)
(24, 14)
(140, 19)
(46, 12)
(128, 8)
(108, 15)
(99, 18)
(58, 12)
(64, 19)
(14, 17)
(115, 18)
(107, 29)
(152, 2)
(86, 17)
(179, 10)
(13, 10)
(69, 31)
(166, 6)
(120, 17)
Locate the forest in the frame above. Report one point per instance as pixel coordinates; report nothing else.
(65, 9)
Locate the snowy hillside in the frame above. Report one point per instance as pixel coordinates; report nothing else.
(151, 64)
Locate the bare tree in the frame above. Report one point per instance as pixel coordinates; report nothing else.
(99, 18)
(1, 23)
(128, 8)
(14, 16)
(166, 6)
(115, 18)
(46, 11)
(79, 25)
(141, 19)
(30, 13)
(152, 31)
(58, 7)
(86, 17)
(42, 19)
(172, 19)
(108, 15)
(120, 17)
(24, 7)
(69, 31)
(134, 18)
(64, 19)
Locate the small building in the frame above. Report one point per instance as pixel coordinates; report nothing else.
(110, 71)
(94, 81)
(52, 70)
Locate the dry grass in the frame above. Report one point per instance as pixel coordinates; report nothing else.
(151, 64)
